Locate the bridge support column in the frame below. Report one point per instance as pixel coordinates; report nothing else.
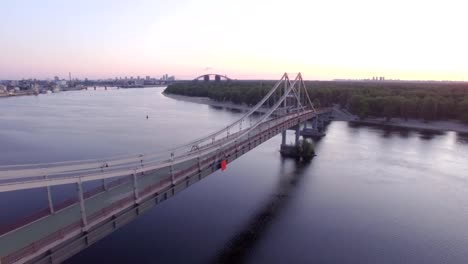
(82, 205)
(298, 134)
(320, 124)
(49, 198)
(283, 138)
(314, 123)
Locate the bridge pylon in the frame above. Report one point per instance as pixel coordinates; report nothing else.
(298, 99)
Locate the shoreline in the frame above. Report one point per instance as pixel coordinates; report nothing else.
(7, 95)
(211, 102)
(343, 115)
(416, 124)
(30, 93)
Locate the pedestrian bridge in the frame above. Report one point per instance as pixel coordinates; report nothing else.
(134, 184)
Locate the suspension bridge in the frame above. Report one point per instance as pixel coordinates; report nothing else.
(131, 185)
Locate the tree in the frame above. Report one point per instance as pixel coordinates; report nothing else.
(428, 110)
(359, 105)
(391, 106)
(316, 103)
(463, 110)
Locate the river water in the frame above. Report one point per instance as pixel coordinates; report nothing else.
(372, 195)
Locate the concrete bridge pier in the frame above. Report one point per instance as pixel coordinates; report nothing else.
(327, 118)
(298, 134)
(287, 149)
(320, 123)
(283, 138)
(316, 130)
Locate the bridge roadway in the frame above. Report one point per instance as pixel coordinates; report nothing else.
(54, 237)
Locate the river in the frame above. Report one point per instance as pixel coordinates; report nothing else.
(371, 195)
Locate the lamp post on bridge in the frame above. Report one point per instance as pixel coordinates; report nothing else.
(82, 205)
(49, 197)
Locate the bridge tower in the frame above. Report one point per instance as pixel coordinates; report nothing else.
(297, 100)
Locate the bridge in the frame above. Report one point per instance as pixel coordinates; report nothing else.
(132, 185)
(217, 77)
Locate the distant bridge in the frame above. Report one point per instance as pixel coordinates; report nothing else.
(216, 77)
(139, 182)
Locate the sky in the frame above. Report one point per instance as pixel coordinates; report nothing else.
(244, 39)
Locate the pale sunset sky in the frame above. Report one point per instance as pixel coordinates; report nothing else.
(245, 39)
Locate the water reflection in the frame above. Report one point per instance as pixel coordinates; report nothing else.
(429, 134)
(462, 138)
(388, 131)
(215, 107)
(242, 243)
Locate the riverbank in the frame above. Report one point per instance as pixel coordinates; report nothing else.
(16, 94)
(343, 115)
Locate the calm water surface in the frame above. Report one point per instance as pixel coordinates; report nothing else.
(372, 195)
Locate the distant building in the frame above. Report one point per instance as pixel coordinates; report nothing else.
(62, 84)
(3, 89)
(36, 88)
(166, 77)
(55, 88)
(139, 82)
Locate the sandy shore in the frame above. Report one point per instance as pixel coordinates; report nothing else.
(208, 101)
(343, 115)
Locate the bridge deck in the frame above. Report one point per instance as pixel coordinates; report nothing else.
(38, 236)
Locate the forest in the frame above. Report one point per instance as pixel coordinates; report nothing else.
(421, 100)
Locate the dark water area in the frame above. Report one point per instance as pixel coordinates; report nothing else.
(371, 195)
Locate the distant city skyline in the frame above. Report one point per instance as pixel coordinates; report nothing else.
(325, 40)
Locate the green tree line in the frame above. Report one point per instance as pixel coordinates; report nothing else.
(422, 100)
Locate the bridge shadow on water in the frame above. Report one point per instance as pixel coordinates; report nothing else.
(242, 244)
